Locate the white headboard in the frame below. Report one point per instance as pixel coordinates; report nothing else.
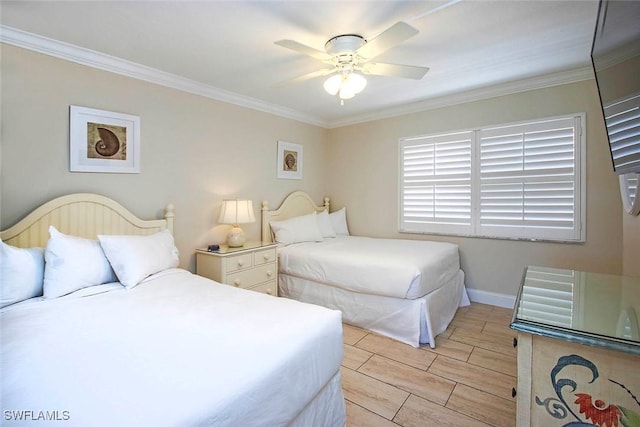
(295, 204)
(84, 215)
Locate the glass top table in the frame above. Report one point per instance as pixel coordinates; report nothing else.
(588, 308)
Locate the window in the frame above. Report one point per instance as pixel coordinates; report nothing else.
(517, 181)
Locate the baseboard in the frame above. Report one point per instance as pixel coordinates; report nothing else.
(491, 298)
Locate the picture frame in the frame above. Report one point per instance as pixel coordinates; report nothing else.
(289, 160)
(103, 141)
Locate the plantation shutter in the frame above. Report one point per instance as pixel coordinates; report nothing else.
(517, 181)
(547, 296)
(436, 183)
(529, 180)
(623, 125)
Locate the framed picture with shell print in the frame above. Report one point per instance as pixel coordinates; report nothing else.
(103, 141)
(289, 160)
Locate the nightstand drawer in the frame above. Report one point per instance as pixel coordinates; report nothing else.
(264, 256)
(269, 288)
(249, 278)
(238, 262)
(253, 266)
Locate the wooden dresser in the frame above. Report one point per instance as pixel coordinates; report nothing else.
(578, 349)
(253, 266)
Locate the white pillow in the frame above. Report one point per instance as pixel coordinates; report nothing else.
(295, 230)
(21, 273)
(73, 263)
(339, 221)
(134, 258)
(324, 224)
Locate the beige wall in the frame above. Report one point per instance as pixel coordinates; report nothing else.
(363, 157)
(195, 151)
(631, 245)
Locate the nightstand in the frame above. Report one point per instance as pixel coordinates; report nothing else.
(253, 266)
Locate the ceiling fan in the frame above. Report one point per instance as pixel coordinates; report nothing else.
(347, 54)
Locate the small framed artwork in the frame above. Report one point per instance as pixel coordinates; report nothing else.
(103, 141)
(289, 160)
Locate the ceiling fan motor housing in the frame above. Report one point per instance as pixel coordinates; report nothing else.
(343, 49)
(346, 43)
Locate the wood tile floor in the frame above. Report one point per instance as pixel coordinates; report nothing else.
(465, 381)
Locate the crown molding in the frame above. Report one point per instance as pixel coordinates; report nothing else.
(101, 61)
(508, 88)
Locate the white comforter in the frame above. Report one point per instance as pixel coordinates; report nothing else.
(388, 267)
(176, 350)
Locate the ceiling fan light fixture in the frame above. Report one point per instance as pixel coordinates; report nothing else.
(332, 84)
(348, 53)
(346, 92)
(347, 85)
(357, 82)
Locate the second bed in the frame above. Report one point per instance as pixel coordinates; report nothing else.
(408, 290)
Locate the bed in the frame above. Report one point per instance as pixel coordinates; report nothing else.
(146, 347)
(408, 290)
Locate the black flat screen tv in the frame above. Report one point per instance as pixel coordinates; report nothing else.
(615, 55)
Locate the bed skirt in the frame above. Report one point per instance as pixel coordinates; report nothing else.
(412, 321)
(326, 409)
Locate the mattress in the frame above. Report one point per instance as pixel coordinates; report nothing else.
(176, 350)
(396, 268)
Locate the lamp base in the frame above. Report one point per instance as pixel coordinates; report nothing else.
(236, 237)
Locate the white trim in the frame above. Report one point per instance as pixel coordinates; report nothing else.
(491, 298)
(524, 85)
(101, 61)
(112, 64)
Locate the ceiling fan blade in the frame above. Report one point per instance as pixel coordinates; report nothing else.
(396, 34)
(395, 70)
(301, 48)
(318, 73)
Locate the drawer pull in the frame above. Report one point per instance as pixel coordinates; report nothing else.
(266, 257)
(515, 342)
(513, 392)
(269, 273)
(269, 292)
(240, 263)
(237, 282)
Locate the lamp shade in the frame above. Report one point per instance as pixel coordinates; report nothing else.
(236, 212)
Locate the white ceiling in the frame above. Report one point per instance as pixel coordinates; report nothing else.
(226, 50)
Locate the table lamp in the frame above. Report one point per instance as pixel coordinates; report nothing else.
(236, 212)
